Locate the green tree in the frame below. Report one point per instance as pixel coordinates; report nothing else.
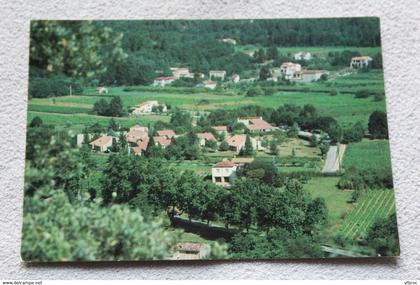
(264, 74)
(224, 146)
(248, 149)
(383, 237)
(36, 122)
(378, 126)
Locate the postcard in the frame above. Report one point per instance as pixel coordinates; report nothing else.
(207, 139)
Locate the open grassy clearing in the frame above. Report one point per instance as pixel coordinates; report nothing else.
(372, 204)
(335, 199)
(368, 154)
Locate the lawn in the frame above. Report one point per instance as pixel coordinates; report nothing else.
(372, 204)
(335, 199)
(368, 154)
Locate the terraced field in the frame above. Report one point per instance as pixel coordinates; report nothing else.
(373, 204)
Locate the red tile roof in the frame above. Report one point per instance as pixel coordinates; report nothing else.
(188, 246)
(167, 133)
(220, 128)
(141, 145)
(163, 141)
(224, 164)
(104, 140)
(164, 78)
(208, 82)
(361, 58)
(259, 124)
(236, 140)
(206, 136)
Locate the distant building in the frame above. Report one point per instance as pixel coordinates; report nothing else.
(290, 70)
(236, 142)
(223, 173)
(163, 141)
(163, 81)
(302, 55)
(102, 144)
(217, 74)
(141, 146)
(147, 107)
(208, 84)
(203, 137)
(229, 41)
(256, 124)
(166, 133)
(139, 128)
(190, 251)
(220, 129)
(133, 136)
(235, 78)
(359, 62)
(312, 75)
(102, 89)
(181, 72)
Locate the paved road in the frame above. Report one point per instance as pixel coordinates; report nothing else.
(334, 157)
(340, 252)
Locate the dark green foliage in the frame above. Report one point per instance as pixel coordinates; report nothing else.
(342, 58)
(52, 85)
(224, 146)
(354, 133)
(255, 91)
(277, 244)
(36, 122)
(362, 94)
(383, 237)
(184, 147)
(333, 92)
(249, 149)
(264, 73)
(366, 179)
(114, 108)
(181, 121)
(378, 126)
(262, 171)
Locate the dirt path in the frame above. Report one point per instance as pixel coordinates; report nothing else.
(334, 158)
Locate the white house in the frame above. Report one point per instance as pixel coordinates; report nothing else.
(229, 41)
(147, 107)
(235, 78)
(181, 72)
(290, 70)
(102, 144)
(256, 124)
(312, 75)
(360, 62)
(163, 81)
(214, 74)
(302, 55)
(102, 89)
(203, 137)
(223, 173)
(208, 84)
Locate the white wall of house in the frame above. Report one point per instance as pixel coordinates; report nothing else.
(223, 175)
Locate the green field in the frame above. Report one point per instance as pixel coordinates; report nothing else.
(372, 204)
(335, 199)
(368, 154)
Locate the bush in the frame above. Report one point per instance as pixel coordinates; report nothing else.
(362, 94)
(333, 92)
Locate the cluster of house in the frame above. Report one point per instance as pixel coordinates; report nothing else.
(294, 72)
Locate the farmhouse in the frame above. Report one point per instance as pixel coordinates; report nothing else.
(162, 141)
(147, 107)
(102, 144)
(190, 250)
(312, 75)
(203, 137)
(139, 128)
(302, 55)
(181, 72)
(223, 173)
(133, 136)
(166, 133)
(256, 124)
(290, 70)
(214, 74)
(359, 62)
(141, 146)
(163, 81)
(101, 89)
(229, 41)
(236, 142)
(220, 129)
(208, 84)
(235, 78)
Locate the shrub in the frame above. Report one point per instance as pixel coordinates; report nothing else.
(362, 94)
(333, 92)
